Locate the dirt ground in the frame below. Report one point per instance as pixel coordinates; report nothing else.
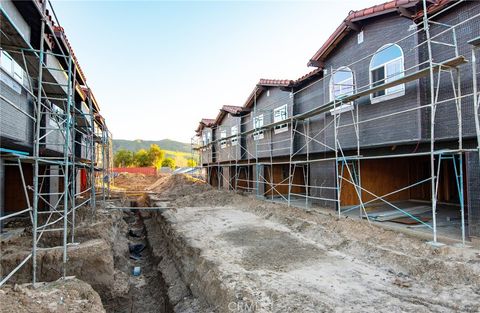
(267, 257)
(72, 295)
(134, 182)
(218, 251)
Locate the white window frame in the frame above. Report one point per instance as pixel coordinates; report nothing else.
(223, 142)
(257, 135)
(277, 117)
(56, 117)
(4, 65)
(360, 37)
(344, 107)
(332, 83)
(257, 125)
(234, 132)
(390, 93)
(13, 69)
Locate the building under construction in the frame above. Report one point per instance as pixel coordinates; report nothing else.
(385, 128)
(55, 146)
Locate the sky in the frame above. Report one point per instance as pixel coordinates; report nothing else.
(157, 68)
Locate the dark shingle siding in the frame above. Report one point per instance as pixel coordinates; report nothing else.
(446, 123)
(15, 125)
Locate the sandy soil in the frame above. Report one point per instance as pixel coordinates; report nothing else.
(72, 295)
(134, 182)
(267, 257)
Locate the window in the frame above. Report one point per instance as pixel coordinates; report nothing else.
(258, 121)
(360, 37)
(17, 72)
(11, 67)
(268, 93)
(204, 139)
(341, 83)
(7, 62)
(280, 114)
(386, 66)
(234, 131)
(257, 124)
(223, 142)
(56, 117)
(209, 137)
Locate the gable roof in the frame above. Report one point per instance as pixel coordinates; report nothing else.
(260, 88)
(349, 23)
(232, 109)
(227, 109)
(205, 122)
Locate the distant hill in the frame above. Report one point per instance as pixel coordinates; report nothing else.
(135, 145)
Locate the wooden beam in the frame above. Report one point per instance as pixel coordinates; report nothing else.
(316, 63)
(405, 12)
(353, 26)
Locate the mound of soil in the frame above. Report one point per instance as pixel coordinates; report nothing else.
(179, 185)
(71, 295)
(134, 182)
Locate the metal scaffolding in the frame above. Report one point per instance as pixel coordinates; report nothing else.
(67, 138)
(344, 112)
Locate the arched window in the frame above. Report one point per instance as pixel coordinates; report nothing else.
(341, 83)
(386, 66)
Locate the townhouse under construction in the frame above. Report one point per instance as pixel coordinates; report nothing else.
(354, 188)
(385, 128)
(55, 146)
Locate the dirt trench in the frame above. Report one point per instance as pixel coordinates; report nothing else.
(147, 291)
(101, 259)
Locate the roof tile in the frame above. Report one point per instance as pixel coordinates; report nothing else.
(232, 109)
(362, 14)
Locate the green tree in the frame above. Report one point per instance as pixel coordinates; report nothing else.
(142, 159)
(168, 162)
(156, 155)
(191, 162)
(123, 158)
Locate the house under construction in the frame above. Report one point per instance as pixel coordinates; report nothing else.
(386, 127)
(55, 146)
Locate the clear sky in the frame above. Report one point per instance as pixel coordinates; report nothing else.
(157, 68)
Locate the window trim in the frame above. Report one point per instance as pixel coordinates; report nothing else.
(330, 85)
(223, 142)
(387, 95)
(13, 66)
(258, 133)
(255, 118)
(234, 140)
(281, 127)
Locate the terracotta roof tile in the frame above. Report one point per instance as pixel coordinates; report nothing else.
(315, 72)
(353, 16)
(208, 121)
(205, 122)
(59, 31)
(232, 109)
(274, 82)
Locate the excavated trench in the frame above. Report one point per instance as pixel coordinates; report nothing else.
(110, 244)
(147, 290)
